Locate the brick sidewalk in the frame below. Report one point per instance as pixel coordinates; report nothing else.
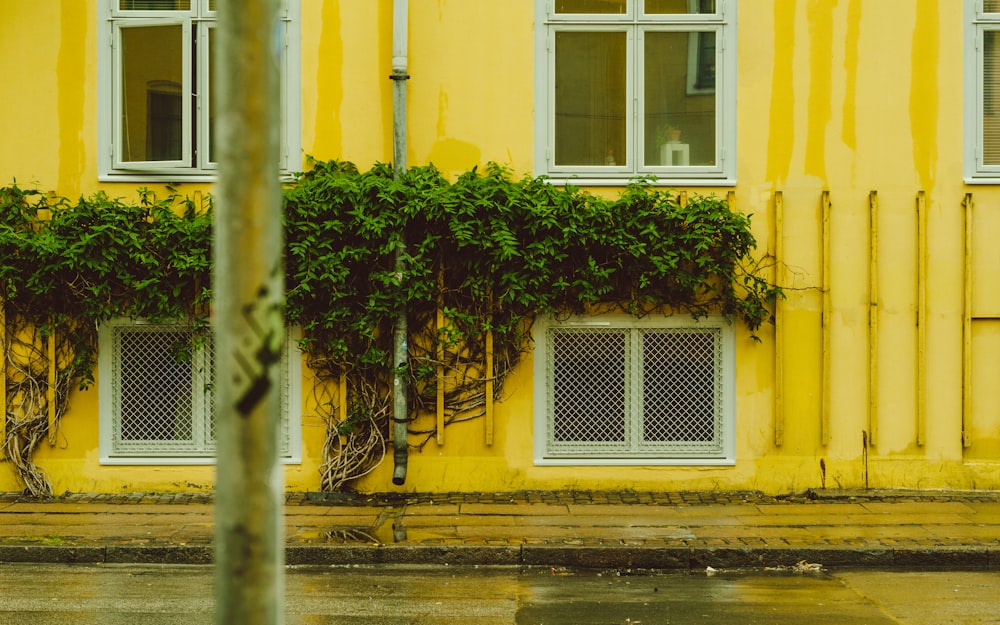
(593, 529)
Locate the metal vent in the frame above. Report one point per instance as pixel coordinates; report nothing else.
(634, 392)
(681, 387)
(162, 392)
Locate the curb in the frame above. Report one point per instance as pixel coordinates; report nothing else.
(580, 557)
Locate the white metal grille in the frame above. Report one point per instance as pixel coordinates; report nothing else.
(162, 392)
(635, 392)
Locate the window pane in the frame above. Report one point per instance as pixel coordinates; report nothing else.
(590, 98)
(591, 6)
(679, 99)
(152, 99)
(155, 386)
(154, 5)
(991, 97)
(991, 6)
(679, 386)
(679, 6)
(588, 387)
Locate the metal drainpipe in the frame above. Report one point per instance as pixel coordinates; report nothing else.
(400, 412)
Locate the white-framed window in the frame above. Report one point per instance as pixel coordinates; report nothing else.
(619, 390)
(982, 91)
(629, 88)
(156, 97)
(155, 385)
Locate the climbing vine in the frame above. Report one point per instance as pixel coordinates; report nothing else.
(485, 254)
(66, 267)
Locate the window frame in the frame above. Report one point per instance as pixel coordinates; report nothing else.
(197, 21)
(977, 22)
(544, 456)
(109, 382)
(636, 22)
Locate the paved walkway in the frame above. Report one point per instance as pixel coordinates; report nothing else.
(571, 529)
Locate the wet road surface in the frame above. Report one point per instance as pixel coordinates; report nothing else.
(159, 595)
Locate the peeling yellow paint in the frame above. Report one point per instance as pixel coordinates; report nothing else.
(330, 81)
(924, 90)
(851, 44)
(782, 113)
(74, 22)
(819, 14)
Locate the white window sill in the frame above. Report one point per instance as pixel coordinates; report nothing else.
(983, 179)
(174, 178)
(635, 462)
(175, 461)
(562, 180)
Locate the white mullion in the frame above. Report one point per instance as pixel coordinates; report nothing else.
(720, 95)
(634, 390)
(200, 423)
(203, 100)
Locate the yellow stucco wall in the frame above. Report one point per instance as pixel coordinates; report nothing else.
(842, 96)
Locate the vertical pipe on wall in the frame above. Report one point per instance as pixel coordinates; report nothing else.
(399, 76)
(921, 316)
(967, 324)
(342, 405)
(489, 387)
(873, 318)
(439, 356)
(3, 375)
(824, 429)
(777, 254)
(51, 392)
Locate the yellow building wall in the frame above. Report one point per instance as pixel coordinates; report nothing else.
(847, 97)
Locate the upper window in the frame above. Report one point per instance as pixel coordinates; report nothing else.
(632, 88)
(619, 390)
(156, 388)
(982, 87)
(157, 97)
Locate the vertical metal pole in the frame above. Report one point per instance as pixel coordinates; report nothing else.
(827, 322)
(967, 325)
(3, 374)
(921, 424)
(873, 319)
(778, 254)
(50, 395)
(249, 317)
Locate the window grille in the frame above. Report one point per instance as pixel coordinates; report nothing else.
(161, 391)
(635, 392)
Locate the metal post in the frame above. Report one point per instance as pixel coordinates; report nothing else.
(249, 317)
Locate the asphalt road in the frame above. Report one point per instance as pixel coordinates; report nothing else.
(158, 595)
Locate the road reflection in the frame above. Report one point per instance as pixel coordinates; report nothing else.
(158, 595)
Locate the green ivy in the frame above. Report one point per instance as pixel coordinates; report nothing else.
(492, 251)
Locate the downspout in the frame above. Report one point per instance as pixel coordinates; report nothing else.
(400, 412)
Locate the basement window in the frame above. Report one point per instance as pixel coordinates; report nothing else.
(156, 385)
(618, 390)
